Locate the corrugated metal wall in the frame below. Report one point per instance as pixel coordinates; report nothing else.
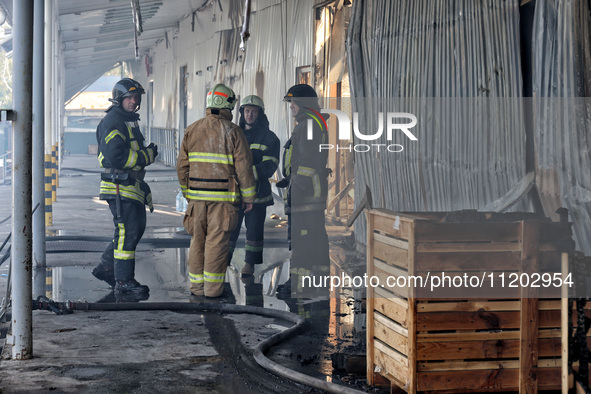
(471, 142)
(281, 40)
(561, 81)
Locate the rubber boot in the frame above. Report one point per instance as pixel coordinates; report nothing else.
(106, 275)
(130, 287)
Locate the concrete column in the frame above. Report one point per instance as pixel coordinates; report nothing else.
(39, 261)
(22, 245)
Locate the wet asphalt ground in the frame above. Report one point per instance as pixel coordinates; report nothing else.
(169, 351)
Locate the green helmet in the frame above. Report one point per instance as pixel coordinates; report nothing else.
(222, 97)
(253, 100)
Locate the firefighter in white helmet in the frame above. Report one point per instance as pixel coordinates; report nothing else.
(264, 146)
(214, 168)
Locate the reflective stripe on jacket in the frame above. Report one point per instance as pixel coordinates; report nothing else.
(264, 146)
(215, 162)
(306, 164)
(121, 147)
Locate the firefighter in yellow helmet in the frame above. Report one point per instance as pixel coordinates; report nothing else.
(214, 168)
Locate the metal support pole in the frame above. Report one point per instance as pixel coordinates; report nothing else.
(39, 261)
(48, 110)
(22, 250)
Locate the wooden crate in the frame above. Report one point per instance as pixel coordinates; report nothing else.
(489, 339)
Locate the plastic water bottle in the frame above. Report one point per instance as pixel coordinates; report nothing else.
(184, 205)
(180, 202)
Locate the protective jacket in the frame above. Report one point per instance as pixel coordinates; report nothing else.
(305, 164)
(215, 162)
(122, 151)
(264, 146)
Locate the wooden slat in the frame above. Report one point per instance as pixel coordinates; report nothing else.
(394, 226)
(429, 366)
(395, 242)
(481, 320)
(384, 271)
(529, 316)
(467, 261)
(498, 379)
(390, 255)
(407, 216)
(469, 306)
(391, 333)
(412, 312)
(564, 378)
(426, 366)
(486, 349)
(388, 304)
(482, 335)
(487, 305)
(427, 231)
(468, 247)
(389, 269)
(393, 365)
(370, 301)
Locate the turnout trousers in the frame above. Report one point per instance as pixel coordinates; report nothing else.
(309, 250)
(255, 234)
(210, 225)
(119, 256)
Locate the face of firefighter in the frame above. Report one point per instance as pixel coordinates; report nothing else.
(251, 114)
(130, 103)
(294, 108)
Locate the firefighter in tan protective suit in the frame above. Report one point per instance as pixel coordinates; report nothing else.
(214, 168)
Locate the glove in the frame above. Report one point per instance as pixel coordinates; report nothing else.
(154, 148)
(151, 152)
(283, 183)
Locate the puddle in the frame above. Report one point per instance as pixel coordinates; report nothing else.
(334, 325)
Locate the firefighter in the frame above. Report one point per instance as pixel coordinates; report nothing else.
(214, 168)
(264, 146)
(124, 157)
(306, 179)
